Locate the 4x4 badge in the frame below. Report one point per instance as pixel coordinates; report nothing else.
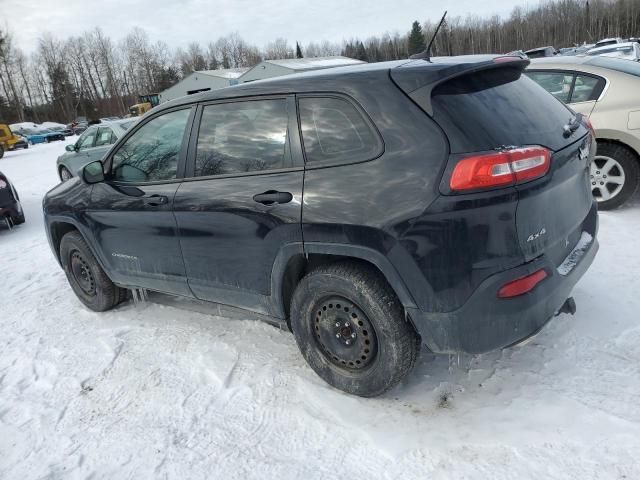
(534, 236)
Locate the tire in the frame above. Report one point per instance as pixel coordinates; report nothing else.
(615, 175)
(1, 151)
(65, 174)
(19, 219)
(351, 329)
(87, 279)
(25, 146)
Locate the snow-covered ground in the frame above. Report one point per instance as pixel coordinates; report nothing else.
(152, 391)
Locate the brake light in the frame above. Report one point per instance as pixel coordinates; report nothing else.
(500, 169)
(522, 285)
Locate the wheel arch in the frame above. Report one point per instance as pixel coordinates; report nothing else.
(59, 227)
(292, 264)
(629, 143)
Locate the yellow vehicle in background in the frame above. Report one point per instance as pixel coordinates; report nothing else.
(145, 103)
(9, 141)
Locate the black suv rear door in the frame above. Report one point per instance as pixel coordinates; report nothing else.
(240, 201)
(131, 212)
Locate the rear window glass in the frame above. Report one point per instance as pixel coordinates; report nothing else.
(499, 107)
(334, 131)
(620, 65)
(599, 51)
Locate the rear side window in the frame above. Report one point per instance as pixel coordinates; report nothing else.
(334, 131)
(105, 137)
(569, 87)
(587, 88)
(557, 84)
(242, 137)
(498, 107)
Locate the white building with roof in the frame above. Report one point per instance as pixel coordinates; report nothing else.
(276, 68)
(202, 81)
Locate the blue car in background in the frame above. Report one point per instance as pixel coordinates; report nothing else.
(40, 136)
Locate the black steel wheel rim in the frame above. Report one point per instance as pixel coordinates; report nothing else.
(82, 273)
(344, 334)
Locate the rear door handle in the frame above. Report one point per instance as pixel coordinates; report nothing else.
(272, 197)
(156, 200)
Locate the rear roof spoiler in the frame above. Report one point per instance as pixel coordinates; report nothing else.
(418, 78)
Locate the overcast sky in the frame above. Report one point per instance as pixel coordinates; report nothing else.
(179, 22)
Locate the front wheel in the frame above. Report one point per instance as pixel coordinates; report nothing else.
(615, 175)
(65, 174)
(351, 330)
(87, 279)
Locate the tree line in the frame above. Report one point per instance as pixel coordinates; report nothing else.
(92, 75)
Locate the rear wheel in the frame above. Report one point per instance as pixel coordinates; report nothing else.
(615, 174)
(86, 277)
(351, 330)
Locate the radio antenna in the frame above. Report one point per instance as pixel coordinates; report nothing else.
(426, 54)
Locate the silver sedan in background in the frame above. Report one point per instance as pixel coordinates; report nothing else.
(92, 145)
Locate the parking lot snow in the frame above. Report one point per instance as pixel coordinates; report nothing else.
(153, 391)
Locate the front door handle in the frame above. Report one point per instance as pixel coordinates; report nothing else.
(156, 200)
(272, 197)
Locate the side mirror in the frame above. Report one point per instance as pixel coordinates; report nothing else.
(70, 148)
(93, 172)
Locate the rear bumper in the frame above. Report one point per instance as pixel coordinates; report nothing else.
(486, 322)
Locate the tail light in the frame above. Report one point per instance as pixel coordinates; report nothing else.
(522, 285)
(589, 125)
(500, 169)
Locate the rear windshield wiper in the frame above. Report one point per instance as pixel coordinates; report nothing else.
(572, 126)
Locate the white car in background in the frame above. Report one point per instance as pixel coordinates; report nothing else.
(625, 51)
(608, 41)
(605, 90)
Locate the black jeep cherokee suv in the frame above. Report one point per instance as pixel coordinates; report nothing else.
(372, 209)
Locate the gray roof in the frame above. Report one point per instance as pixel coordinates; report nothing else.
(314, 63)
(224, 72)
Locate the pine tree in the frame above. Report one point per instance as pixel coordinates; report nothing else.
(298, 51)
(361, 52)
(416, 39)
